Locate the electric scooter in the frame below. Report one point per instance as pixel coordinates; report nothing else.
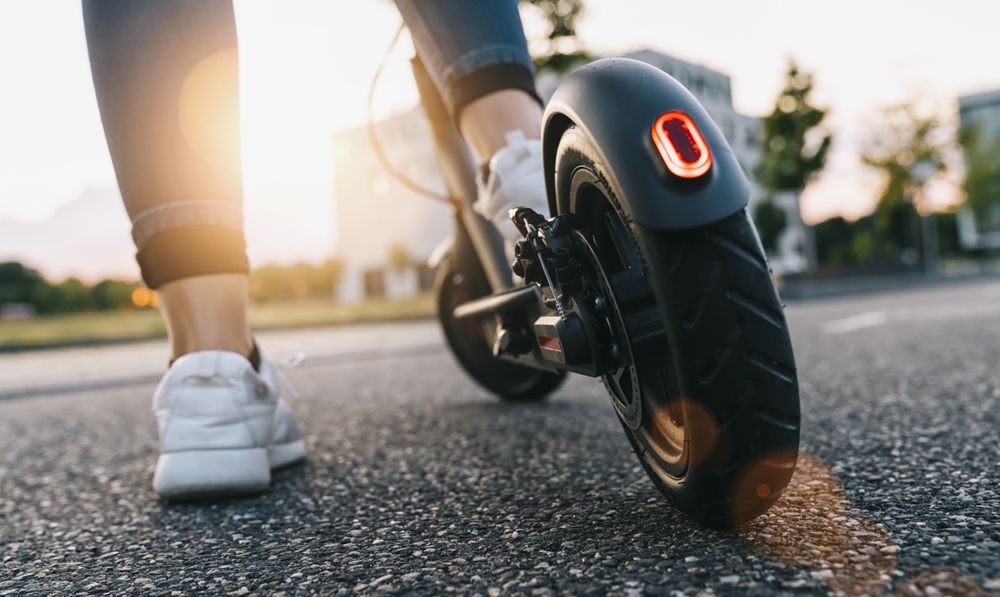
(649, 276)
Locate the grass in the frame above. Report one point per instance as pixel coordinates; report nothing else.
(100, 327)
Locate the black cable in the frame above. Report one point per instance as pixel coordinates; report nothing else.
(383, 158)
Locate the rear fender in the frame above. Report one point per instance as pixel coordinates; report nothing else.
(615, 102)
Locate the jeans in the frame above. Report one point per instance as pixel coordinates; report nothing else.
(166, 77)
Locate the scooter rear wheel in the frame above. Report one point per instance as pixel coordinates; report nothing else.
(717, 426)
(511, 382)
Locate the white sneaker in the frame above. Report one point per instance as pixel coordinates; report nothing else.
(516, 179)
(222, 427)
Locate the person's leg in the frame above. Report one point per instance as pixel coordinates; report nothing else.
(166, 77)
(486, 121)
(207, 313)
(478, 57)
(475, 51)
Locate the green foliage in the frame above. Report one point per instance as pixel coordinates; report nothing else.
(562, 62)
(770, 220)
(863, 247)
(908, 148)
(66, 297)
(899, 224)
(947, 233)
(561, 15)
(563, 51)
(298, 281)
(833, 239)
(19, 283)
(108, 295)
(840, 243)
(982, 172)
(794, 144)
(843, 243)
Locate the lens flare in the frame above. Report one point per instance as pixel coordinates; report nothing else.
(814, 526)
(208, 113)
(143, 297)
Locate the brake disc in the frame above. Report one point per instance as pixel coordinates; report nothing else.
(622, 380)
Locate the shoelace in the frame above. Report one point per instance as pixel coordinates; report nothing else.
(281, 365)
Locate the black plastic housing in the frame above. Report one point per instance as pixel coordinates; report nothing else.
(615, 102)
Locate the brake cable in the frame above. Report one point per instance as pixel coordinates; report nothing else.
(380, 153)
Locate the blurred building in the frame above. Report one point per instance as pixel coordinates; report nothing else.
(980, 111)
(375, 213)
(983, 111)
(378, 218)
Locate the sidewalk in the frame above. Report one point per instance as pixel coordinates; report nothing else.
(72, 370)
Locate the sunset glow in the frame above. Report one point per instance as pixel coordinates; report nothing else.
(305, 68)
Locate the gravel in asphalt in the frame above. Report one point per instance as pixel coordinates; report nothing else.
(419, 482)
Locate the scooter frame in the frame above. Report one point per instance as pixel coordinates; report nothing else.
(615, 102)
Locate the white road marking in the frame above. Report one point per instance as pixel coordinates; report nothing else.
(854, 323)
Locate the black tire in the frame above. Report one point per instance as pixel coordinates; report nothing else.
(719, 428)
(511, 382)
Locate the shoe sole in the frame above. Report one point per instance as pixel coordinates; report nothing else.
(280, 455)
(202, 474)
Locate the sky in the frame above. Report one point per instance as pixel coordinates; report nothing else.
(306, 66)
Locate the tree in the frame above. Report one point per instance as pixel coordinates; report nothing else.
(20, 284)
(771, 221)
(563, 51)
(947, 233)
(795, 144)
(863, 246)
(842, 243)
(909, 148)
(108, 295)
(69, 296)
(399, 258)
(833, 241)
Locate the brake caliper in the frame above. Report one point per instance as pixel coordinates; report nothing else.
(574, 334)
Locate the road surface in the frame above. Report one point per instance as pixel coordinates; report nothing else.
(419, 482)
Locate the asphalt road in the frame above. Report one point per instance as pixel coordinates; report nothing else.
(420, 482)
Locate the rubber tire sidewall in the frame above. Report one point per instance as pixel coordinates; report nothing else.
(723, 454)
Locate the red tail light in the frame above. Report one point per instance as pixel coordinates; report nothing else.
(680, 144)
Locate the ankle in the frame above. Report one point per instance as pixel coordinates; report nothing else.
(242, 345)
(207, 313)
(486, 121)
